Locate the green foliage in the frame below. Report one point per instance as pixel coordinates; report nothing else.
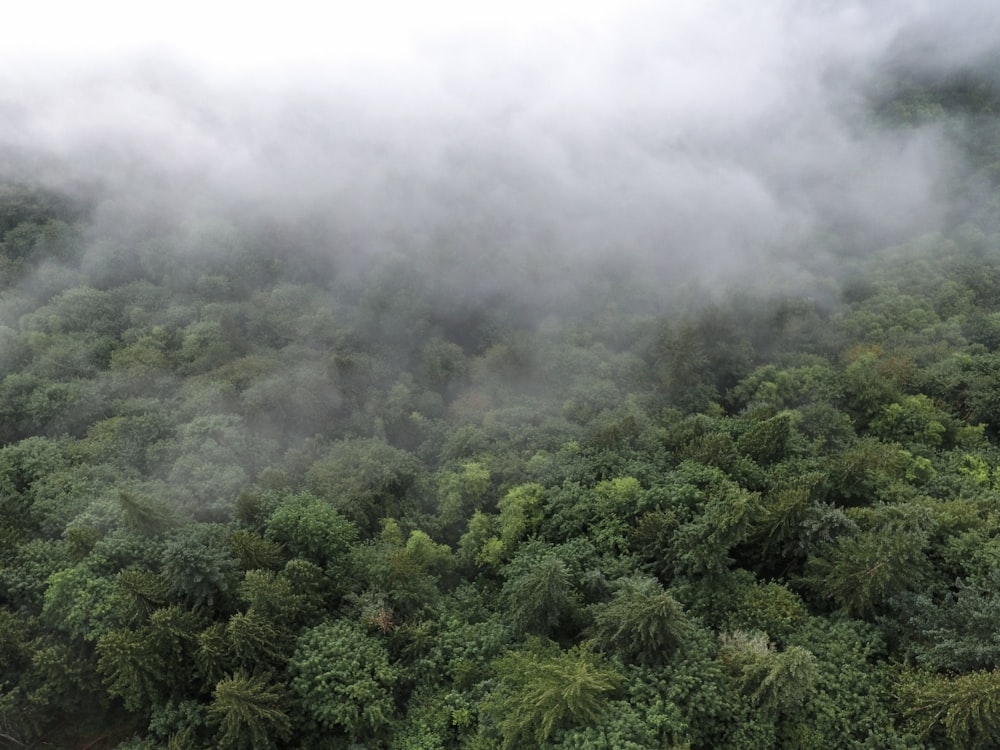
(770, 608)
(254, 551)
(266, 505)
(250, 713)
(777, 682)
(83, 604)
(851, 706)
(313, 529)
(766, 441)
(212, 460)
(344, 681)
(861, 572)
(863, 471)
(132, 667)
(143, 515)
(546, 689)
(957, 632)
(255, 639)
(642, 623)
(538, 592)
(143, 591)
(479, 545)
(492, 540)
(962, 710)
(197, 565)
(701, 547)
(403, 576)
(461, 492)
(364, 479)
(915, 421)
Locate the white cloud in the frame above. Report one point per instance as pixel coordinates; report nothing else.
(696, 131)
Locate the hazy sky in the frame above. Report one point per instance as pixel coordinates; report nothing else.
(703, 136)
(234, 34)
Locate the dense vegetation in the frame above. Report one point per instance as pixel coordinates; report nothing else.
(254, 498)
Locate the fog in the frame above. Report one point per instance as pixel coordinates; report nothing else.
(718, 141)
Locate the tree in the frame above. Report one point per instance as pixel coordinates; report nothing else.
(401, 577)
(545, 689)
(766, 440)
(212, 460)
(83, 603)
(461, 492)
(132, 668)
(311, 528)
(250, 713)
(958, 631)
(862, 571)
(642, 623)
(702, 546)
(197, 565)
(144, 592)
(344, 681)
(255, 552)
(913, 421)
(966, 707)
(493, 540)
(366, 480)
(255, 639)
(144, 515)
(143, 665)
(538, 591)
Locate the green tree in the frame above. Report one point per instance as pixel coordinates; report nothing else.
(213, 458)
(83, 603)
(862, 572)
(313, 529)
(364, 479)
(197, 566)
(255, 639)
(777, 684)
(253, 551)
(344, 681)
(132, 667)
(251, 713)
(913, 421)
(538, 592)
(544, 690)
(766, 440)
(144, 515)
(642, 623)
(965, 709)
(702, 546)
(957, 631)
(461, 492)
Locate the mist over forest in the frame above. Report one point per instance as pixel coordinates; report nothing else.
(694, 142)
(612, 377)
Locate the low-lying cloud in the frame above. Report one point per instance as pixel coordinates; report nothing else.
(712, 139)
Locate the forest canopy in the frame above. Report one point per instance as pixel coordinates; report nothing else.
(263, 486)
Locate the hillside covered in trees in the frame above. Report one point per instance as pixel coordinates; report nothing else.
(256, 493)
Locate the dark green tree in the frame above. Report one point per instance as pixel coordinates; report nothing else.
(538, 592)
(642, 623)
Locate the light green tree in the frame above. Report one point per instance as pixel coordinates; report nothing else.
(963, 710)
(545, 689)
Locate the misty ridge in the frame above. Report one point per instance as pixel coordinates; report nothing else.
(711, 143)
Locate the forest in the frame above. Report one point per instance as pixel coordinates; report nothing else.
(257, 495)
